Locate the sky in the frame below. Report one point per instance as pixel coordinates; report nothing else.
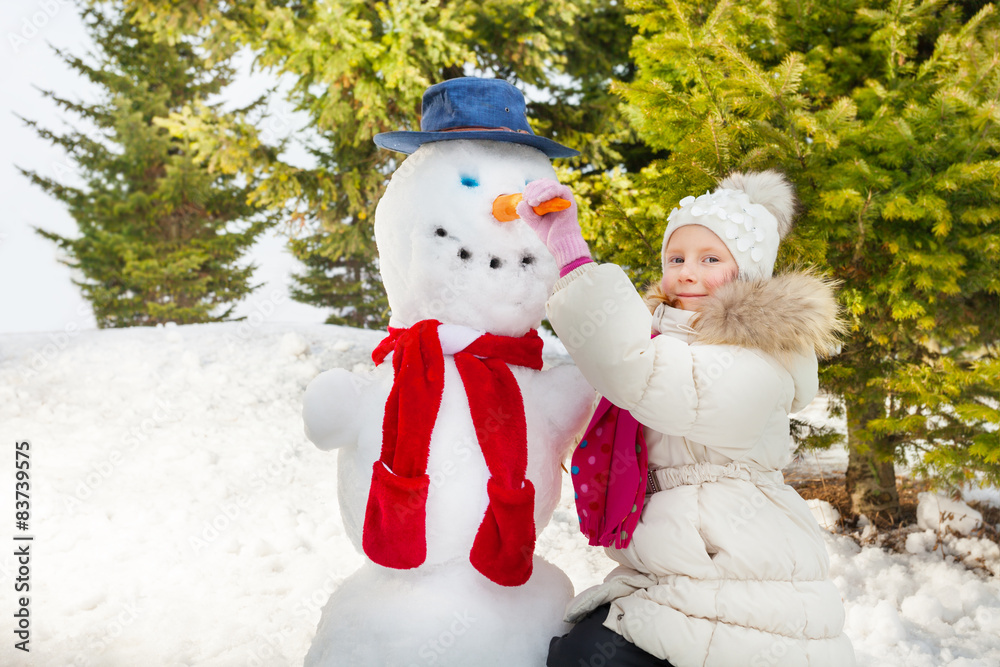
(36, 290)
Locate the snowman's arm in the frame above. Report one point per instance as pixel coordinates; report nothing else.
(569, 402)
(330, 408)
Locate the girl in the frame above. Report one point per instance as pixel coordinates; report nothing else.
(726, 564)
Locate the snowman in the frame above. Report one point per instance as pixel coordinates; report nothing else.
(450, 451)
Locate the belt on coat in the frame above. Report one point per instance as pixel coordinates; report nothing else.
(661, 479)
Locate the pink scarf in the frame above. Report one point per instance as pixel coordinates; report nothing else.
(609, 476)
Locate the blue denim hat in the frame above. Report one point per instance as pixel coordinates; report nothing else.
(472, 108)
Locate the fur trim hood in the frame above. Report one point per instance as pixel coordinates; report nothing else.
(779, 316)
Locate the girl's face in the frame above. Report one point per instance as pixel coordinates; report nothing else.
(696, 263)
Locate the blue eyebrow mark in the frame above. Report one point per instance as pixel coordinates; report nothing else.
(470, 182)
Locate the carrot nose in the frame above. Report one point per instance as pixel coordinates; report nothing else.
(505, 206)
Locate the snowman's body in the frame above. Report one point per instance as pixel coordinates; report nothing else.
(443, 256)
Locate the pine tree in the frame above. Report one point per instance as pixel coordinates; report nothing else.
(361, 67)
(161, 237)
(884, 114)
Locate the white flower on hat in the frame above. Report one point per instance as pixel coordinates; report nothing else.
(750, 212)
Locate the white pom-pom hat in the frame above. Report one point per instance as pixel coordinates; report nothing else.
(749, 212)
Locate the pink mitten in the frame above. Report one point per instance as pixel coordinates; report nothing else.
(559, 231)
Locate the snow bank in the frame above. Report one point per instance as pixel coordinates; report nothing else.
(917, 610)
(181, 517)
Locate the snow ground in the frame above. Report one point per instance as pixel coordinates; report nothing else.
(180, 517)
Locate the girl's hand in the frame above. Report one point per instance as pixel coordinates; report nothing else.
(559, 231)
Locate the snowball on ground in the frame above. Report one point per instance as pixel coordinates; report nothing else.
(936, 512)
(918, 543)
(826, 514)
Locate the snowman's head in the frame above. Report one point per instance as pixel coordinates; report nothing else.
(443, 255)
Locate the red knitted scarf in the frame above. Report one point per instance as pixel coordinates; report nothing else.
(395, 521)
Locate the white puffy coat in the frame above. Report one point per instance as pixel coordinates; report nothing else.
(727, 565)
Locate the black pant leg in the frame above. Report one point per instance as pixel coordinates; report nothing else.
(590, 644)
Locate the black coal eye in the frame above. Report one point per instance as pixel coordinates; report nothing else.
(464, 254)
(527, 259)
(441, 231)
(496, 263)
